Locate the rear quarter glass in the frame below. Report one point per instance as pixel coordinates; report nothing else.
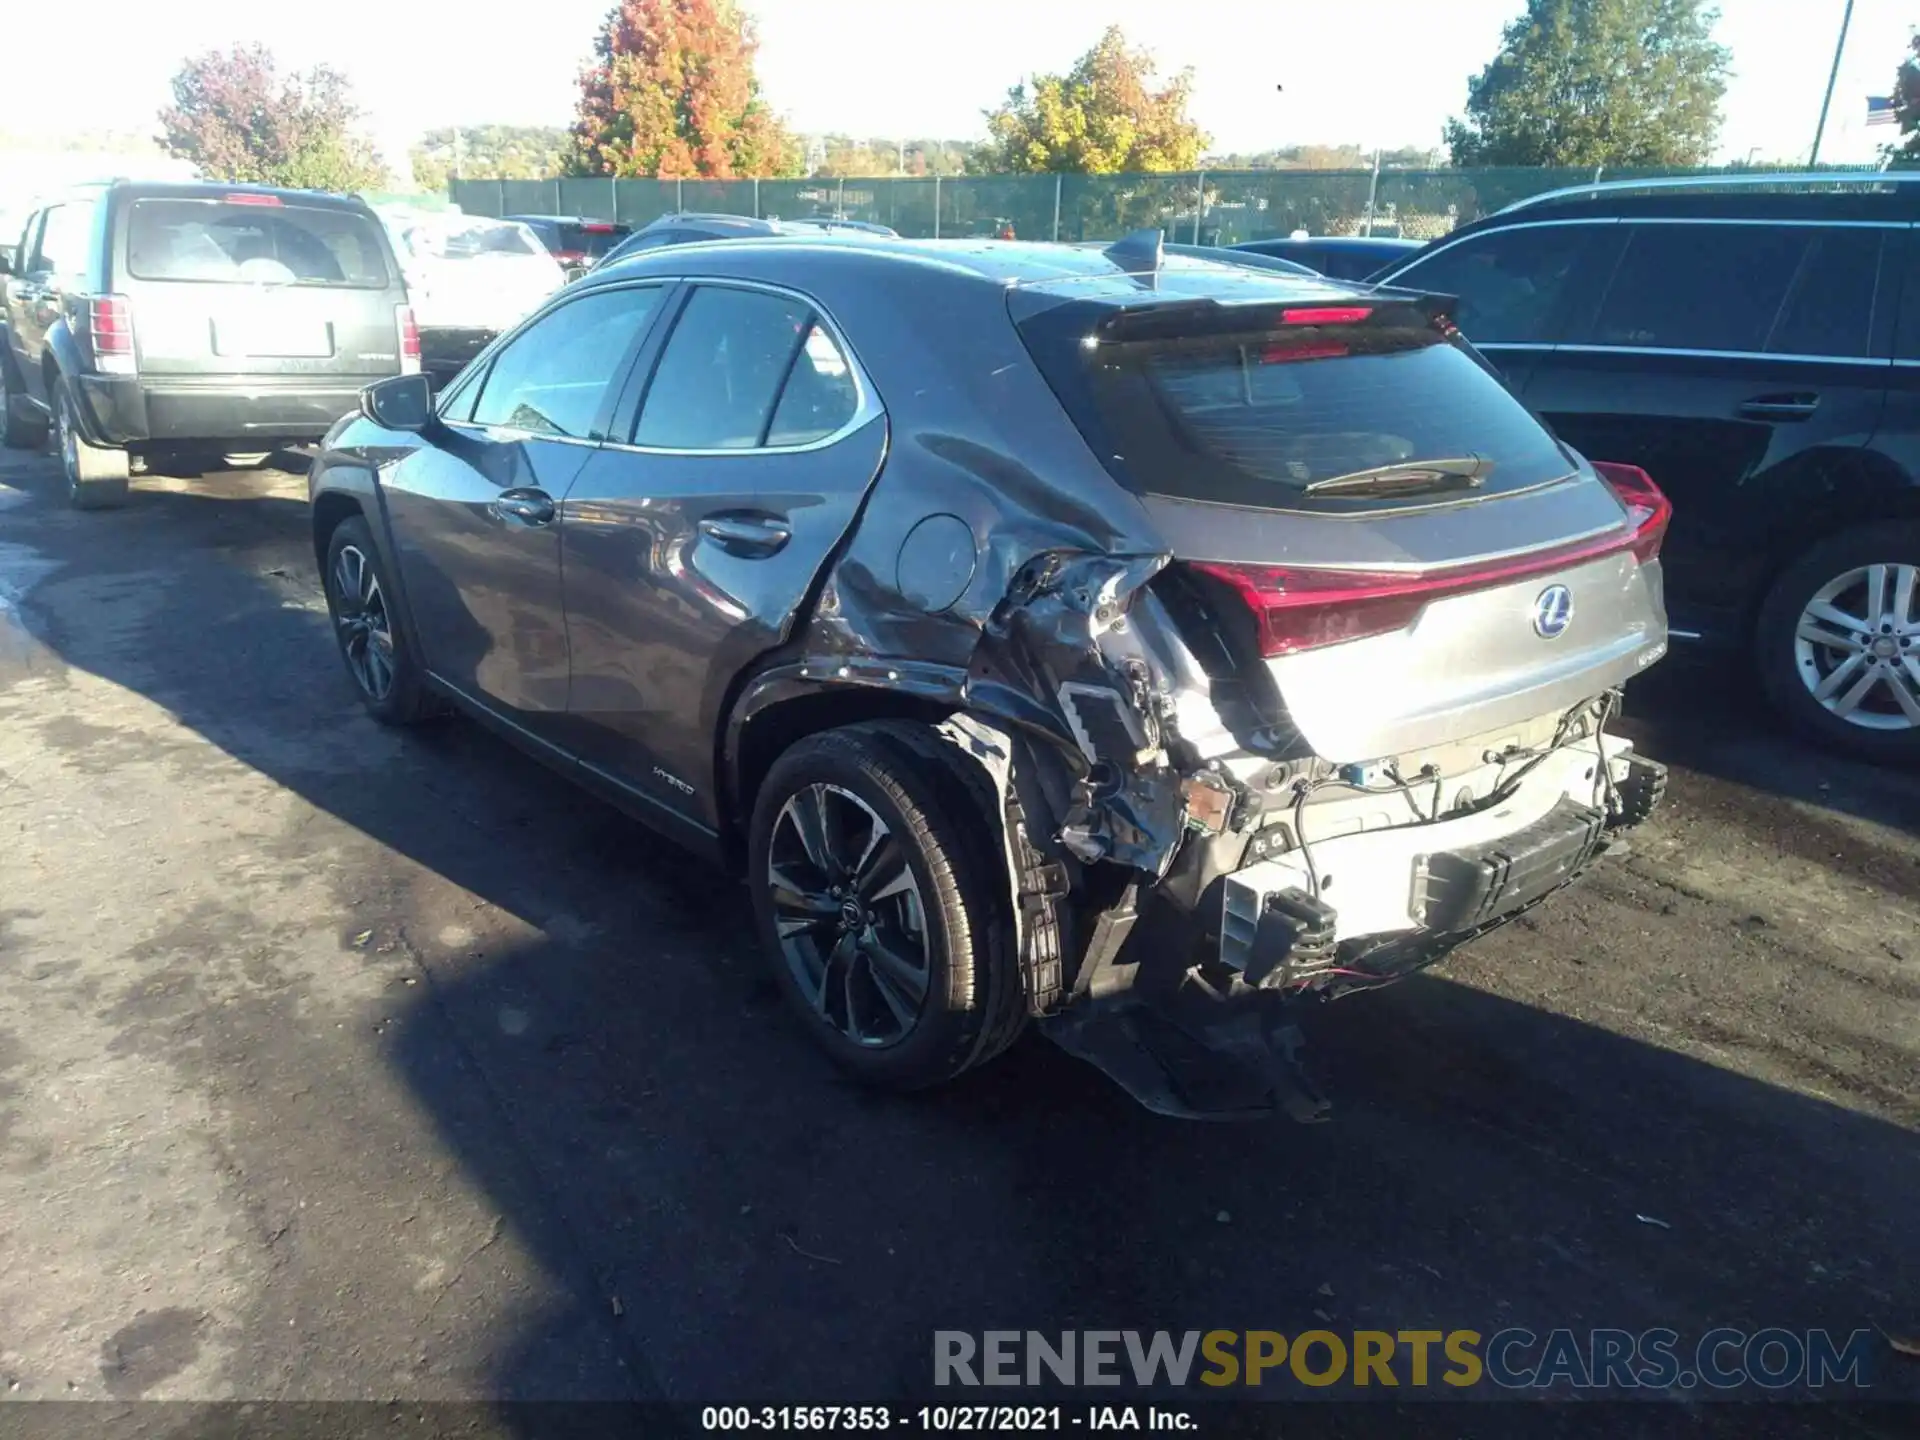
(1255, 415)
(223, 243)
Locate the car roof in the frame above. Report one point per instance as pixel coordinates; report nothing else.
(1895, 202)
(1335, 242)
(206, 190)
(1060, 272)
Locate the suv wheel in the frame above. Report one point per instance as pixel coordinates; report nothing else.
(19, 430)
(884, 917)
(96, 477)
(1839, 642)
(384, 670)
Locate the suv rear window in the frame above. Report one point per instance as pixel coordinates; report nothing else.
(1258, 413)
(593, 240)
(254, 244)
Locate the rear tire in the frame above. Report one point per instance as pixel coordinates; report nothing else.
(19, 430)
(385, 672)
(96, 476)
(1841, 664)
(892, 939)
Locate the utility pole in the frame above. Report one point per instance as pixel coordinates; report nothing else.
(1846, 19)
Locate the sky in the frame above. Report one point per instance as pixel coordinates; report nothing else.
(1266, 72)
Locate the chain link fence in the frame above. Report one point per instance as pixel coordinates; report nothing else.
(1213, 207)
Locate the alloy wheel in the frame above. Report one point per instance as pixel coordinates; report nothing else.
(849, 916)
(360, 613)
(1857, 647)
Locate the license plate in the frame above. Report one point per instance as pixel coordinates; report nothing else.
(272, 337)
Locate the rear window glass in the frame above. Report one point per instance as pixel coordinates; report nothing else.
(1262, 416)
(593, 241)
(224, 243)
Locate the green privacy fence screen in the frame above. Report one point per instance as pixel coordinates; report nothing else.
(1208, 207)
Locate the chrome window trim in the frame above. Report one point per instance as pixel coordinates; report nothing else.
(867, 407)
(1723, 354)
(1778, 224)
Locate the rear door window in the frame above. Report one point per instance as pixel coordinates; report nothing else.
(745, 368)
(552, 377)
(255, 242)
(1829, 310)
(1700, 287)
(1261, 416)
(1513, 284)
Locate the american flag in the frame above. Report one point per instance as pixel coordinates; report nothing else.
(1880, 110)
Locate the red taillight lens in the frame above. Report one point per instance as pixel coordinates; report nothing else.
(570, 257)
(409, 332)
(1326, 315)
(600, 228)
(1648, 509)
(110, 328)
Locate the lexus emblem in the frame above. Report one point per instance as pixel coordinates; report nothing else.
(1552, 612)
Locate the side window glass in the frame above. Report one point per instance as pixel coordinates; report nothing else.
(820, 394)
(722, 370)
(63, 240)
(551, 378)
(1830, 310)
(1510, 282)
(1700, 287)
(29, 238)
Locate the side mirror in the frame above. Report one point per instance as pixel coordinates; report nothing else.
(6, 260)
(400, 402)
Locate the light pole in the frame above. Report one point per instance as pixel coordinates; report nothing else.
(1846, 19)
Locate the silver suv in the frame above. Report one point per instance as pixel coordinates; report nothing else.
(187, 321)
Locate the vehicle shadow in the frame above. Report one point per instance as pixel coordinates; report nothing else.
(1706, 712)
(725, 1219)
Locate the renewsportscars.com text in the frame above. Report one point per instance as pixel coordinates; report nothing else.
(1514, 1358)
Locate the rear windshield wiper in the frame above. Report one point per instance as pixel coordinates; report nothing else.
(1408, 477)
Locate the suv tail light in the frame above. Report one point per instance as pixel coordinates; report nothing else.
(1303, 609)
(110, 329)
(1648, 509)
(409, 332)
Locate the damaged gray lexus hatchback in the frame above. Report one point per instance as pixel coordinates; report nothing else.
(1132, 643)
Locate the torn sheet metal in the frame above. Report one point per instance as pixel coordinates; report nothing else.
(1063, 634)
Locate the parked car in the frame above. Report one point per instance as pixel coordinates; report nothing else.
(576, 242)
(1756, 348)
(468, 278)
(192, 321)
(688, 228)
(1345, 257)
(1135, 641)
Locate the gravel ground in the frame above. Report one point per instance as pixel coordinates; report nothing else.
(336, 1063)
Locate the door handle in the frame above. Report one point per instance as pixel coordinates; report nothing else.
(525, 507)
(1780, 407)
(751, 537)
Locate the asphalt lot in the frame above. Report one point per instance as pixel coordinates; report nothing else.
(336, 1063)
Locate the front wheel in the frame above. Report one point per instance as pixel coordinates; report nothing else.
(1839, 642)
(359, 598)
(880, 907)
(96, 476)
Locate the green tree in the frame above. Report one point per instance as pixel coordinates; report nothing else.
(671, 93)
(490, 152)
(1906, 104)
(1102, 116)
(1597, 82)
(235, 117)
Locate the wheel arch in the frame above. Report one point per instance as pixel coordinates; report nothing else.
(778, 709)
(1815, 528)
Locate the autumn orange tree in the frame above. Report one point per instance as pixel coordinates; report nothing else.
(671, 93)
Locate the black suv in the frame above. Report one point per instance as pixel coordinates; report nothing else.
(1754, 344)
(189, 322)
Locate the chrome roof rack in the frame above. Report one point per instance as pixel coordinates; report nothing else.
(1718, 182)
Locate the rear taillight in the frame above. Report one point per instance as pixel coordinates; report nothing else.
(1326, 315)
(409, 332)
(1648, 510)
(110, 329)
(571, 257)
(1299, 609)
(597, 228)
